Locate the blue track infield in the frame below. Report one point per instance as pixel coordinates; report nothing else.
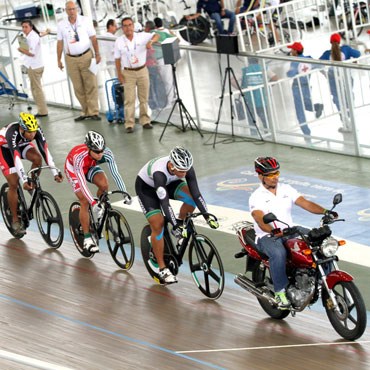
(233, 188)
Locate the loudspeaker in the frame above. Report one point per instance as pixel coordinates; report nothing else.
(227, 44)
(171, 50)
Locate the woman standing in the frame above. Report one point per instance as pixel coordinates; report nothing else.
(34, 63)
(338, 53)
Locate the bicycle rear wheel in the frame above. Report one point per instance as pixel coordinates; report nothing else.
(197, 30)
(206, 267)
(7, 214)
(119, 239)
(76, 230)
(49, 220)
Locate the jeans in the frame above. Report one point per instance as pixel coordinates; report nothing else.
(217, 18)
(275, 250)
(302, 102)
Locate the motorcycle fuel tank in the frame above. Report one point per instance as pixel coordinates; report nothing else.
(297, 257)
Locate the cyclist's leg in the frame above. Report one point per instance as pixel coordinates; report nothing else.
(182, 193)
(101, 181)
(33, 156)
(156, 223)
(84, 212)
(13, 181)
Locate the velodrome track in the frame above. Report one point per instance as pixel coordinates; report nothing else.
(58, 309)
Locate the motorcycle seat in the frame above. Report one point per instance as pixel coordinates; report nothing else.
(249, 236)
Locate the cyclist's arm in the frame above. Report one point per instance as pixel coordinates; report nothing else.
(160, 180)
(44, 150)
(192, 182)
(12, 137)
(109, 157)
(78, 170)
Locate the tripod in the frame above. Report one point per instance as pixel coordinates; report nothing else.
(228, 72)
(182, 110)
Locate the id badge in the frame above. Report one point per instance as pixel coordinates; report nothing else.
(133, 59)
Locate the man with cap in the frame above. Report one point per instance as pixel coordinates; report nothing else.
(301, 88)
(338, 53)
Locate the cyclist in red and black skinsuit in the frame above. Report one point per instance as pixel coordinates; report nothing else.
(15, 145)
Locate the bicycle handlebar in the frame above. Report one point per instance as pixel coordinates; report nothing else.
(103, 197)
(195, 215)
(37, 169)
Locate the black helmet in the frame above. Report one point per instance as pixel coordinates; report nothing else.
(95, 141)
(181, 158)
(264, 165)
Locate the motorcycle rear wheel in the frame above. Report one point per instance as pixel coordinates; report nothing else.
(350, 323)
(259, 275)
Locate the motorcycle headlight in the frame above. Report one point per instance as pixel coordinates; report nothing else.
(329, 247)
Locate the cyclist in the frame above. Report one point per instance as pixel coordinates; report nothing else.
(82, 164)
(271, 196)
(16, 144)
(161, 179)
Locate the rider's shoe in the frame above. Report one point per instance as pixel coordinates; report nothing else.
(166, 276)
(90, 246)
(18, 228)
(282, 301)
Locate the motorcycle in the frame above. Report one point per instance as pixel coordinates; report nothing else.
(312, 271)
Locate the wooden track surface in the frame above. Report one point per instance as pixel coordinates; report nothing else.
(87, 314)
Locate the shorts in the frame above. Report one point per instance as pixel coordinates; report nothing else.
(148, 198)
(72, 178)
(6, 160)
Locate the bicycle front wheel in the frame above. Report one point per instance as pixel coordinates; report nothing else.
(49, 220)
(197, 30)
(120, 240)
(206, 267)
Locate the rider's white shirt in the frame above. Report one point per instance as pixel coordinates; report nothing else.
(279, 204)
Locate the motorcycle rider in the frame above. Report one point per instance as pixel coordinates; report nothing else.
(271, 196)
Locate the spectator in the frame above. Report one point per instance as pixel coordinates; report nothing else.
(164, 69)
(108, 48)
(34, 63)
(338, 53)
(75, 35)
(216, 10)
(130, 54)
(252, 77)
(301, 88)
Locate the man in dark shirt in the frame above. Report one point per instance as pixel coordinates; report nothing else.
(216, 10)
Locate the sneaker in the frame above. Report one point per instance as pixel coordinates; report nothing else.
(344, 130)
(18, 228)
(282, 301)
(318, 109)
(90, 246)
(166, 276)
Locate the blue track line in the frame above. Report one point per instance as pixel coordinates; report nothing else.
(146, 344)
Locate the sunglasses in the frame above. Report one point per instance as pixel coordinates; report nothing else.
(272, 175)
(97, 151)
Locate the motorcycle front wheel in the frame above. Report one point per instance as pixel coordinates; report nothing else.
(350, 321)
(259, 276)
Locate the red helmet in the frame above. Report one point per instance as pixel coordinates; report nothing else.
(264, 165)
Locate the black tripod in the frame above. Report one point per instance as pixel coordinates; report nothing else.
(182, 110)
(228, 72)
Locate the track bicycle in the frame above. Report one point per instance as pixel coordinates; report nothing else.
(43, 205)
(360, 17)
(204, 260)
(117, 231)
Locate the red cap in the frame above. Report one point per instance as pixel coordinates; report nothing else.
(335, 37)
(296, 46)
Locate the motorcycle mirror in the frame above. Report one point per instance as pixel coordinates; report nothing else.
(337, 199)
(269, 217)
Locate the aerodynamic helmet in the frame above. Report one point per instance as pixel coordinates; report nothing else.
(264, 165)
(28, 122)
(181, 158)
(95, 141)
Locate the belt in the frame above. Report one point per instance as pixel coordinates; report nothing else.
(79, 55)
(134, 69)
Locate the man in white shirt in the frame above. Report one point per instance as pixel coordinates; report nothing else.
(130, 54)
(107, 47)
(278, 199)
(75, 36)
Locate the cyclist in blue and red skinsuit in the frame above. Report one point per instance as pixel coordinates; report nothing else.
(16, 144)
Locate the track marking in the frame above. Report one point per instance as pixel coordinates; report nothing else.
(275, 347)
(25, 360)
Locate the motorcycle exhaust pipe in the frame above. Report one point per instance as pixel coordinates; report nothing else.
(250, 286)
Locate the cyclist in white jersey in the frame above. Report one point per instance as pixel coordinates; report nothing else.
(160, 180)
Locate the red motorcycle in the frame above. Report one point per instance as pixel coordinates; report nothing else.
(312, 271)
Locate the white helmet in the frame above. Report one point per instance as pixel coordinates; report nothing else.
(95, 141)
(181, 158)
